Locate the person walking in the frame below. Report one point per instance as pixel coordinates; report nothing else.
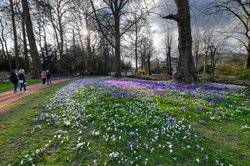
(14, 79)
(22, 80)
(48, 76)
(43, 76)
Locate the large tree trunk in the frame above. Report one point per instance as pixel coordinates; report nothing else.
(26, 56)
(32, 41)
(185, 71)
(14, 34)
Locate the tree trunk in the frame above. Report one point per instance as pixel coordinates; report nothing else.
(185, 71)
(82, 50)
(248, 56)
(117, 45)
(169, 65)
(32, 41)
(4, 57)
(6, 46)
(89, 52)
(61, 37)
(14, 34)
(136, 51)
(149, 66)
(26, 56)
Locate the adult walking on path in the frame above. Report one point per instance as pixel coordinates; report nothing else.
(48, 75)
(43, 76)
(9, 97)
(22, 80)
(14, 79)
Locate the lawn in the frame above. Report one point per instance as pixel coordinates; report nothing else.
(128, 122)
(8, 85)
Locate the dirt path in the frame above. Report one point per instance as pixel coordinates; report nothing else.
(9, 97)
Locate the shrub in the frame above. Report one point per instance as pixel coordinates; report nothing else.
(244, 74)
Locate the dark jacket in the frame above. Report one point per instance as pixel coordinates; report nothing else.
(14, 77)
(48, 75)
(22, 77)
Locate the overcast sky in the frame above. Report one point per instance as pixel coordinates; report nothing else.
(199, 19)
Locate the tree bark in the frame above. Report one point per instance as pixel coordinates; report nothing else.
(117, 45)
(149, 66)
(169, 65)
(136, 49)
(248, 56)
(61, 36)
(14, 34)
(185, 71)
(32, 41)
(26, 56)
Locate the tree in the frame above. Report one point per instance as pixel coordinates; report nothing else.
(118, 25)
(116, 7)
(185, 71)
(240, 10)
(56, 11)
(169, 45)
(5, 45)
(145, 48)
(197, 41)
(14, 34)
(212, 44)
(32, 41)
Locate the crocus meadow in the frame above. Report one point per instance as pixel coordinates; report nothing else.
(132, 122)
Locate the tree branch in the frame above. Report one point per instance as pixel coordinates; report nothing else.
(171, 17)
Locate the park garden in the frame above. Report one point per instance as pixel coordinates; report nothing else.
(150, 82)
(108, 121)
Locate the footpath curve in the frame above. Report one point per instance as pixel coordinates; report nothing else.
(9, 97)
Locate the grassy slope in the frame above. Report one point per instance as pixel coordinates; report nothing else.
(9, 85)
(16, 123)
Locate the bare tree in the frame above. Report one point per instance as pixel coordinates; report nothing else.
(169, 45)
(185, 71)
(197, 41)
(117, 26)
(145, 50)
(240, 10)
(5, 45)
(32, 41)
(212, 45)
(56, 12)
(14, 34)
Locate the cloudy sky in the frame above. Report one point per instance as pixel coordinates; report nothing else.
(200, 20)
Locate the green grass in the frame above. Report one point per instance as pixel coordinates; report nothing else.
(9, 85)
(16, 125)
(222, 134)
(101, 121)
